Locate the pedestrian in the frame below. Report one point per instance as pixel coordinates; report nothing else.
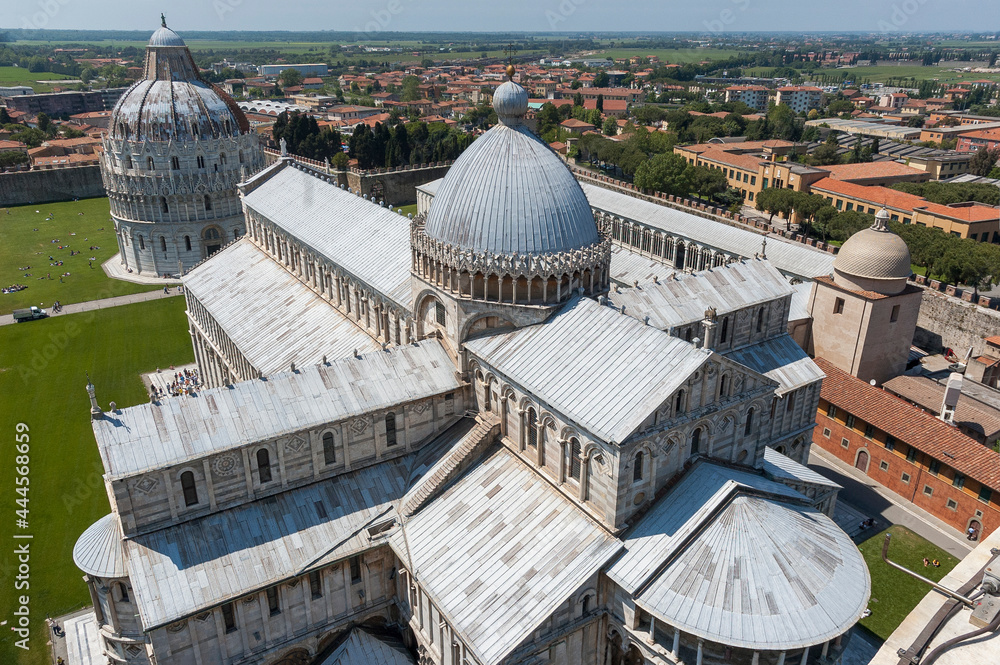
(936, 563)
(971, 532)
(926, 562)
(91, 263)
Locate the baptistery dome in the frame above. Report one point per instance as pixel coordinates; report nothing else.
(510, 193)
(171, 101)
(176, 148)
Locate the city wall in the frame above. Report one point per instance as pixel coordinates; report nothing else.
(24, 187)
(949, 322)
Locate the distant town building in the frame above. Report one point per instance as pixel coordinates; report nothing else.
(69, 103)
(307, 70)
(800, 99)
(754, 96)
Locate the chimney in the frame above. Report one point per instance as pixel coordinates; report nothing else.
(952, 391)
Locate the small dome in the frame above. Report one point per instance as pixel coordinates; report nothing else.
(164, 36)
(98, 550)
(510, 101)
(875, 253)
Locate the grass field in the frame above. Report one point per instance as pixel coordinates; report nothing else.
(21, 246)
(21, 76)
(43, 372)
(672, 56)
(880, 73)
(894, 593)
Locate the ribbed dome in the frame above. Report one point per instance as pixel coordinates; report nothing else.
(164, 36)
(98, 550)
(172, 102)
(510, 193)
(875, 253)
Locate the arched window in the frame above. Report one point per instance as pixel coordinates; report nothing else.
(575, 462)
(163, 244)
(329, 449)
(241, 156)
(530, 425)
(439, 314)
(390, 429)
(201, 161)
(121, 592)
(208, 202)
(679, 402)
(128, 161)
(175, 163)
(724, 335)
(187, 243)
(748, 427)
(263, 466)
(696, 441)
(724, 385)
(142, 244)
(760, 320)
(488, 397)
(149, 163)
(189, 489)
(211, 233)
(222, 158)
(637, 471)
(585, 605)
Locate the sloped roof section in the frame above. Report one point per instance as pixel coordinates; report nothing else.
(98, 550)
(781, 360)
(367, 241)
(684, 299)
(157, 435)
(499, 551)
(272, 317)
(603, 370)
(363, 648)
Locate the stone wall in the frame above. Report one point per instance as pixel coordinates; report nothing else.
(24, 187)
(949, 322)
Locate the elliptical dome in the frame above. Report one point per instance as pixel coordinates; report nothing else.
(509, 193)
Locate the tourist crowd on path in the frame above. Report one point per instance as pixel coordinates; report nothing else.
(185, 383)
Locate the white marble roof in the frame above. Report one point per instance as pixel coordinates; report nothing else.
(499, 551)
(367, 241)
(272, 317)
(683, 300)
(362, 648)
(780, 359)
(778, 466)
(152, 436)
(600, 369)
(789, 258)
(732, 557)
(628, 267)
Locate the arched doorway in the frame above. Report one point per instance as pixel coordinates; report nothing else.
(213, 240)
(861, 463)
(975, 529)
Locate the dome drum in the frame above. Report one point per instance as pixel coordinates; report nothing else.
(527, 279)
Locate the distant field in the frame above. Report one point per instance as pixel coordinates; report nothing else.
(880, 73)
(672, 56)
(21, 76)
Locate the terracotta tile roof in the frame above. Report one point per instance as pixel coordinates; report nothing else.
(965, 213)
(995, 339)
(929, 394)
(910, 425)
(985, 134)
(866, 170)
(745, 162)
(875, 195)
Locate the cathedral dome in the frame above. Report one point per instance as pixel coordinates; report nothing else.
(875, 253)
(171, 102)
(510, 193)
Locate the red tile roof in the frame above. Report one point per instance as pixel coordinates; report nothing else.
(910, 425)
(874, 195)
(867, 170)
(745, 162)
(965, 213)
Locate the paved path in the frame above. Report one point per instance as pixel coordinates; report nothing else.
(867, 496)
(91, 305)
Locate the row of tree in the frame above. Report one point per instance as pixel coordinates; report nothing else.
(414, 143)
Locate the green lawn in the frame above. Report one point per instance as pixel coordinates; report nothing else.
(21, 76)
(880, 73)
(894, 593)
(410, 209)
(43, 372)
(671, 56)
(21, 246)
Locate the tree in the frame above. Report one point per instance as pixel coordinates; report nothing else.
(916, 121)
(808, 205)
(5, 118)
(775, 201)
(984, 160)
(340, 161)
(667, 173)
(12, 158)
(839, 106)
(44, 122)
(708, 182)
(290, 78)
(601, 79)
(782, 122)
(599, 104)
(410, 91)
(610, 127)
(826, 154)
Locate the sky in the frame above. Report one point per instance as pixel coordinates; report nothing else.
(372, 17)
